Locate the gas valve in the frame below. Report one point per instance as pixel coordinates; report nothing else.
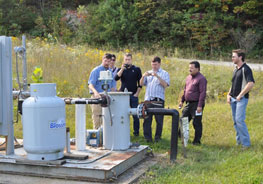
(142, 111)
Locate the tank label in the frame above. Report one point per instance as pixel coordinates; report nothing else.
(57, 124)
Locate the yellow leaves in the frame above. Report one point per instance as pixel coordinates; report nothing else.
(101, 53)
(37, 75)
(81, 87)
(225, 8)
(14, 38)
(197, 5)
(166, 61)
(38, 70)
(70, 49)
(237, 9)
(139, 54)
(221, 96)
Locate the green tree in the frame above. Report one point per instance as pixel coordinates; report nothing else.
(16, 17)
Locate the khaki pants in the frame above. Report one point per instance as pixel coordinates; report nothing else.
(96, 115)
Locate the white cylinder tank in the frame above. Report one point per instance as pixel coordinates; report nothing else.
(44, 126)
(116, 136)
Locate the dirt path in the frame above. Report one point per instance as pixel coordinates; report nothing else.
(253, 66)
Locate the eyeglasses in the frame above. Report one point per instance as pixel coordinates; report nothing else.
(113, 59)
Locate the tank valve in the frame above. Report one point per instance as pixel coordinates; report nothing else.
(141, 111)
(105, 100)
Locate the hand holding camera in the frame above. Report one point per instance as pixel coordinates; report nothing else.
(152, 73)
(125, 66)
(147, 74)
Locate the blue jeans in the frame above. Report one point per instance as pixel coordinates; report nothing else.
(136, 122)
(239, 116)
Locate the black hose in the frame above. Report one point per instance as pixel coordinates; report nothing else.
(175, 122)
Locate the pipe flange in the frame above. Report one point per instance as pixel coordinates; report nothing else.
(105, 100)
(141, 111)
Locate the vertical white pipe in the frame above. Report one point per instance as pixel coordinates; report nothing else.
(10, 148)
(6, 96)
(24, 64)
(80, 131)
(9, 107)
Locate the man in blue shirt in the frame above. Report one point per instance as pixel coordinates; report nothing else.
(95, 86)
(155, 80)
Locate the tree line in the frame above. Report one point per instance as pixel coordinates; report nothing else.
(205, 27)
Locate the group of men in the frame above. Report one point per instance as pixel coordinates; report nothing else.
(157, 80)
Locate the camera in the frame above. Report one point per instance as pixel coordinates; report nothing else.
(149, 72)
(126, 66)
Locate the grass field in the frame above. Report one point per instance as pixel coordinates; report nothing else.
(217, 160)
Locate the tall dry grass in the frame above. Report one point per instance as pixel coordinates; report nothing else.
(69, 67)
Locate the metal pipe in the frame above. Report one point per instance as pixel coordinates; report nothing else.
(80, 132)
(6, 125)
(85, 100)
(23, 94)
(133, 111)
(24, 64)
(67, 140)
(175, 121)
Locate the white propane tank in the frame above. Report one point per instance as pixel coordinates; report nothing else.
(44, 126)
(117, 135)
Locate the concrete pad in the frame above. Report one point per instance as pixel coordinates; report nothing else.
(130, 176)
(106, 168)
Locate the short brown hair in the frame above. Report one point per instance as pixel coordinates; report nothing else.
(240, 53)
(128, 55)
(107, 56)
(156, 59)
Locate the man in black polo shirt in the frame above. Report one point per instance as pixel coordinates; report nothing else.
(130, 76)
(242, 83)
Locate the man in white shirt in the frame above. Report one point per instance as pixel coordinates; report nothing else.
(155, 80)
